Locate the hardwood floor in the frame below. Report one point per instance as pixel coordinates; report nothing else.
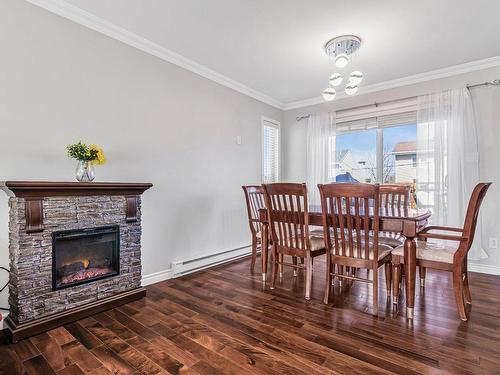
(222, 321)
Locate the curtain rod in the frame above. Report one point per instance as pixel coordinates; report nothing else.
(375, 104)
(495, 82)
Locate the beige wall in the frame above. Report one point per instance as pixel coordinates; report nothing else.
(487, 106)
(61, 82)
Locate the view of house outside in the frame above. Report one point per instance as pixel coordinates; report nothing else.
(356, 156)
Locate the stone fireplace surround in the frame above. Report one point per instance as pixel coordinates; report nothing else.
(37, 209)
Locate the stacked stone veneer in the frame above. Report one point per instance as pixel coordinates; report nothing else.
(31, 295)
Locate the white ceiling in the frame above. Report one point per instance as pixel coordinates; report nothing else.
(276, 46)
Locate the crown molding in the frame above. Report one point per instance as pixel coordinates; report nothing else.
(405, 81)
(78, 15)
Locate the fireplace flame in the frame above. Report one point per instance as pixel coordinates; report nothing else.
(86, 263)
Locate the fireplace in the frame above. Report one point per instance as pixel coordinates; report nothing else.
(85, 255)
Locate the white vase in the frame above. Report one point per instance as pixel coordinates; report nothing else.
(84, 171)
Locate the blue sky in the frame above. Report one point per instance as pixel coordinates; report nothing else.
(364, 142)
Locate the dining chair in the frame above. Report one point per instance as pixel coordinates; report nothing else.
(393, 197)
(351, 233)
(254, 197)
(434, 252)
(288, 216)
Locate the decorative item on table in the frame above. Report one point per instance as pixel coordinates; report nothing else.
(87, 157)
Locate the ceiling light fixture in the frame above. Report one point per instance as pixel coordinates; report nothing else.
(341, 47)
(356, 77)
(336, 79)
(329, 94)
(351, 88)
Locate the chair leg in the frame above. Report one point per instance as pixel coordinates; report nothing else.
(340, 270)
(275, 267)
(329, 278)
(375, 291)
(465, 277)
(388, 278)
(280, 265)
(308, 276)
(396, 281)
(254, 253)
(294, 261)
(459, 294)
(421, 272)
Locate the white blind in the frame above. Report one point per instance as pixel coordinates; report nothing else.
(270, 151)
(400, 112)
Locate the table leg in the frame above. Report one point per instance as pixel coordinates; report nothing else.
(410, 263)
(264, 247)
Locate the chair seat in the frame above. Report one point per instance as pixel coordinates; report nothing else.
(432, 250)
(390, 241)
(317, 243)
(382, 239)
(383, 250)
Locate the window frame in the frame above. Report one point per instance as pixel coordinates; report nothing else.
(373, 120)
(269, 122)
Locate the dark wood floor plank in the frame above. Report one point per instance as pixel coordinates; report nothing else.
(139, 361)
(83, 335)
(112, 361)
(74, 369)
(158, 356)
(52, 351)
(61, 335)
(80, 355)
(38, 366)
(9, 362)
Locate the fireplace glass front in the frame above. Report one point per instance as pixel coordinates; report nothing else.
(84, 255)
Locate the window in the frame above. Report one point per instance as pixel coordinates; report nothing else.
(270, 150)
(378, 149)
(356, 157)
(400, 154)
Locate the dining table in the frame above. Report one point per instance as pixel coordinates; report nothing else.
(406, 221)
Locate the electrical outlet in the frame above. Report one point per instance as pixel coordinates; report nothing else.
(238, 139)
(493, 243)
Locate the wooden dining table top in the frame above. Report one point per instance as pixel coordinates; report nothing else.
(391, 219)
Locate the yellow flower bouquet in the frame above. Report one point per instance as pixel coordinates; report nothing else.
(87, 157)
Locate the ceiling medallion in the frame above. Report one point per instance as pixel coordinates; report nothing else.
(341, 49)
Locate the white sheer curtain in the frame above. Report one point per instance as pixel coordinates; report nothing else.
(320, 152)
(448, 158)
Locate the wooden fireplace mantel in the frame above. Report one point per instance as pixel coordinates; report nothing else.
(35, 191)
(41, 189)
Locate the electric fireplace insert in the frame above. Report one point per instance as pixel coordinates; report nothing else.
(84, 255)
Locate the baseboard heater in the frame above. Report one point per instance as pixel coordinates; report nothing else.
(184, 267)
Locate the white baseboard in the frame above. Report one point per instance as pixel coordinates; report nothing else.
(186, 266)
(483, 268)
(156, 277)
(183, 267)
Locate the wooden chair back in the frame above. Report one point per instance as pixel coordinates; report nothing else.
(394, 195)
(254, 197)
(287, 209)
(470, 221)
(346, 208)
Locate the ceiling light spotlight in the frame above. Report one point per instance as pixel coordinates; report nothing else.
(329, 94)
(336, 79)
(356, 77)
(351, 89)
(341, 60)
